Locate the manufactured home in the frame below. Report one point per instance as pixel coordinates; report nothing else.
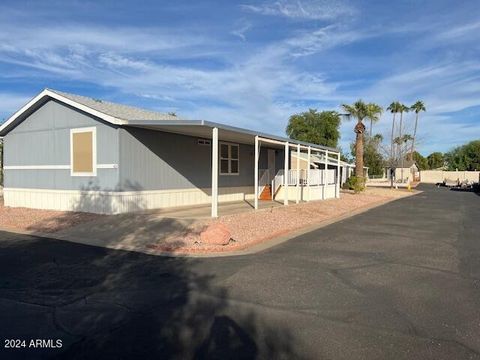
(74, 153)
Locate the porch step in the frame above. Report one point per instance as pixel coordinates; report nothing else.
(266, 193)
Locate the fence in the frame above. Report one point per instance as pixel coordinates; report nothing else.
(437, 176)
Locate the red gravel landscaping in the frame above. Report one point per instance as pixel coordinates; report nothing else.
(252, 228)
(42, 221)
(153, 233)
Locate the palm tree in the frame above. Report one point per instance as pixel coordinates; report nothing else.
(402, 108)
(378, 138)
(361, 111)
(394, 108)
(375, 111)
(405, 139)
(417, 107)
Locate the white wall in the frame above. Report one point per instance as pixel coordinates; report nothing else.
(110, 202)
(436, 176)
(306, 194)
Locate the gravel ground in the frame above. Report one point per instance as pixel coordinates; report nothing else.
(43, 221)
(252, 228)
(246, 229)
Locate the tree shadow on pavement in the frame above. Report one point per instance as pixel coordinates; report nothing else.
(116, 304)
(113, 304)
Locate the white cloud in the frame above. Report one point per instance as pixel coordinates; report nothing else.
(256, 84)
(307, 9)
(241, 29)
(311, 42)
(459, 32)
(252, 90)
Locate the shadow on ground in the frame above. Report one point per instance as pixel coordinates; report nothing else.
(112, 304)
(139, 228)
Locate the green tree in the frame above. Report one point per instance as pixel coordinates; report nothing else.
(422, 162)
(435, 160)
(314, 127)
(464, 158)
(373, 159)
(360, 111)
(417, 107)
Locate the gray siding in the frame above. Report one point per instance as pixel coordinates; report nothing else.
(154, 160)
(44, 139)
(147, 159)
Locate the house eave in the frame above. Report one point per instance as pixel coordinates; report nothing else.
(41, 98)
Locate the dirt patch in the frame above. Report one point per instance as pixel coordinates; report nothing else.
(251, 228)
(42, 221)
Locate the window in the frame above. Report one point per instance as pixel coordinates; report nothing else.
(204, 142)
(229, 156)
(83, 152)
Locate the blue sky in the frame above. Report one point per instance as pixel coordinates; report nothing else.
(252, 63)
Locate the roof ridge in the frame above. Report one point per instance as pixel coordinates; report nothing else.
(115, 107)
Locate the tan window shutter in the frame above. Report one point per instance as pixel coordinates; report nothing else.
(82, 151)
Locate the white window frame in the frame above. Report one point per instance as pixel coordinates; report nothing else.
(93, 130)
(204, 142)
(229, 158)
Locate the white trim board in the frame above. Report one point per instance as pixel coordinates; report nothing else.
(65, 100)
(54, 167)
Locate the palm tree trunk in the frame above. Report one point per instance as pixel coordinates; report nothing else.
(371, 128)
(414, 135)
(392, 150)
(400, 130)
(359, 149)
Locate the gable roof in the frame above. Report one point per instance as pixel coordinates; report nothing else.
(118, 111)
(113, 113)
(123, 115)
(406, 163)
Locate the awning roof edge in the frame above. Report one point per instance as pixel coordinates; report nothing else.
(210, 124)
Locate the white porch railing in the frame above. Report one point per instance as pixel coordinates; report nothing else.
(317, 177)
(277, 181)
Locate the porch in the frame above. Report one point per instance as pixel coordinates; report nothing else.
(204, 211)
(239, 162)
(301, 185)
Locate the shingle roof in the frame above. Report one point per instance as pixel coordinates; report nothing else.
(118, 111)
(406, 163)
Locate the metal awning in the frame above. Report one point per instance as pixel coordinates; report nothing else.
(203, 129)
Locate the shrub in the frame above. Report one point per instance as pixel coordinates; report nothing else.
(355, 183)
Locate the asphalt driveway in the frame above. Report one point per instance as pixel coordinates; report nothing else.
(401, 281)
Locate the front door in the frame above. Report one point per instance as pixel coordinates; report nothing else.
(271, 163)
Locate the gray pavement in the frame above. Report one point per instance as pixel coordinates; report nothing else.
(401, 281)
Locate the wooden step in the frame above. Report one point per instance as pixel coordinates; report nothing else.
(266, 193)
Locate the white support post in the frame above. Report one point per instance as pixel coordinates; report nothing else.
(297, 200)
(337, 187)
(285, 175)
(256, 172)
(325, 177)
(215, 172)
(309, 152)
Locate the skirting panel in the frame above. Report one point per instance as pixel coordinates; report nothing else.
(110, 202)
(306, 194)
